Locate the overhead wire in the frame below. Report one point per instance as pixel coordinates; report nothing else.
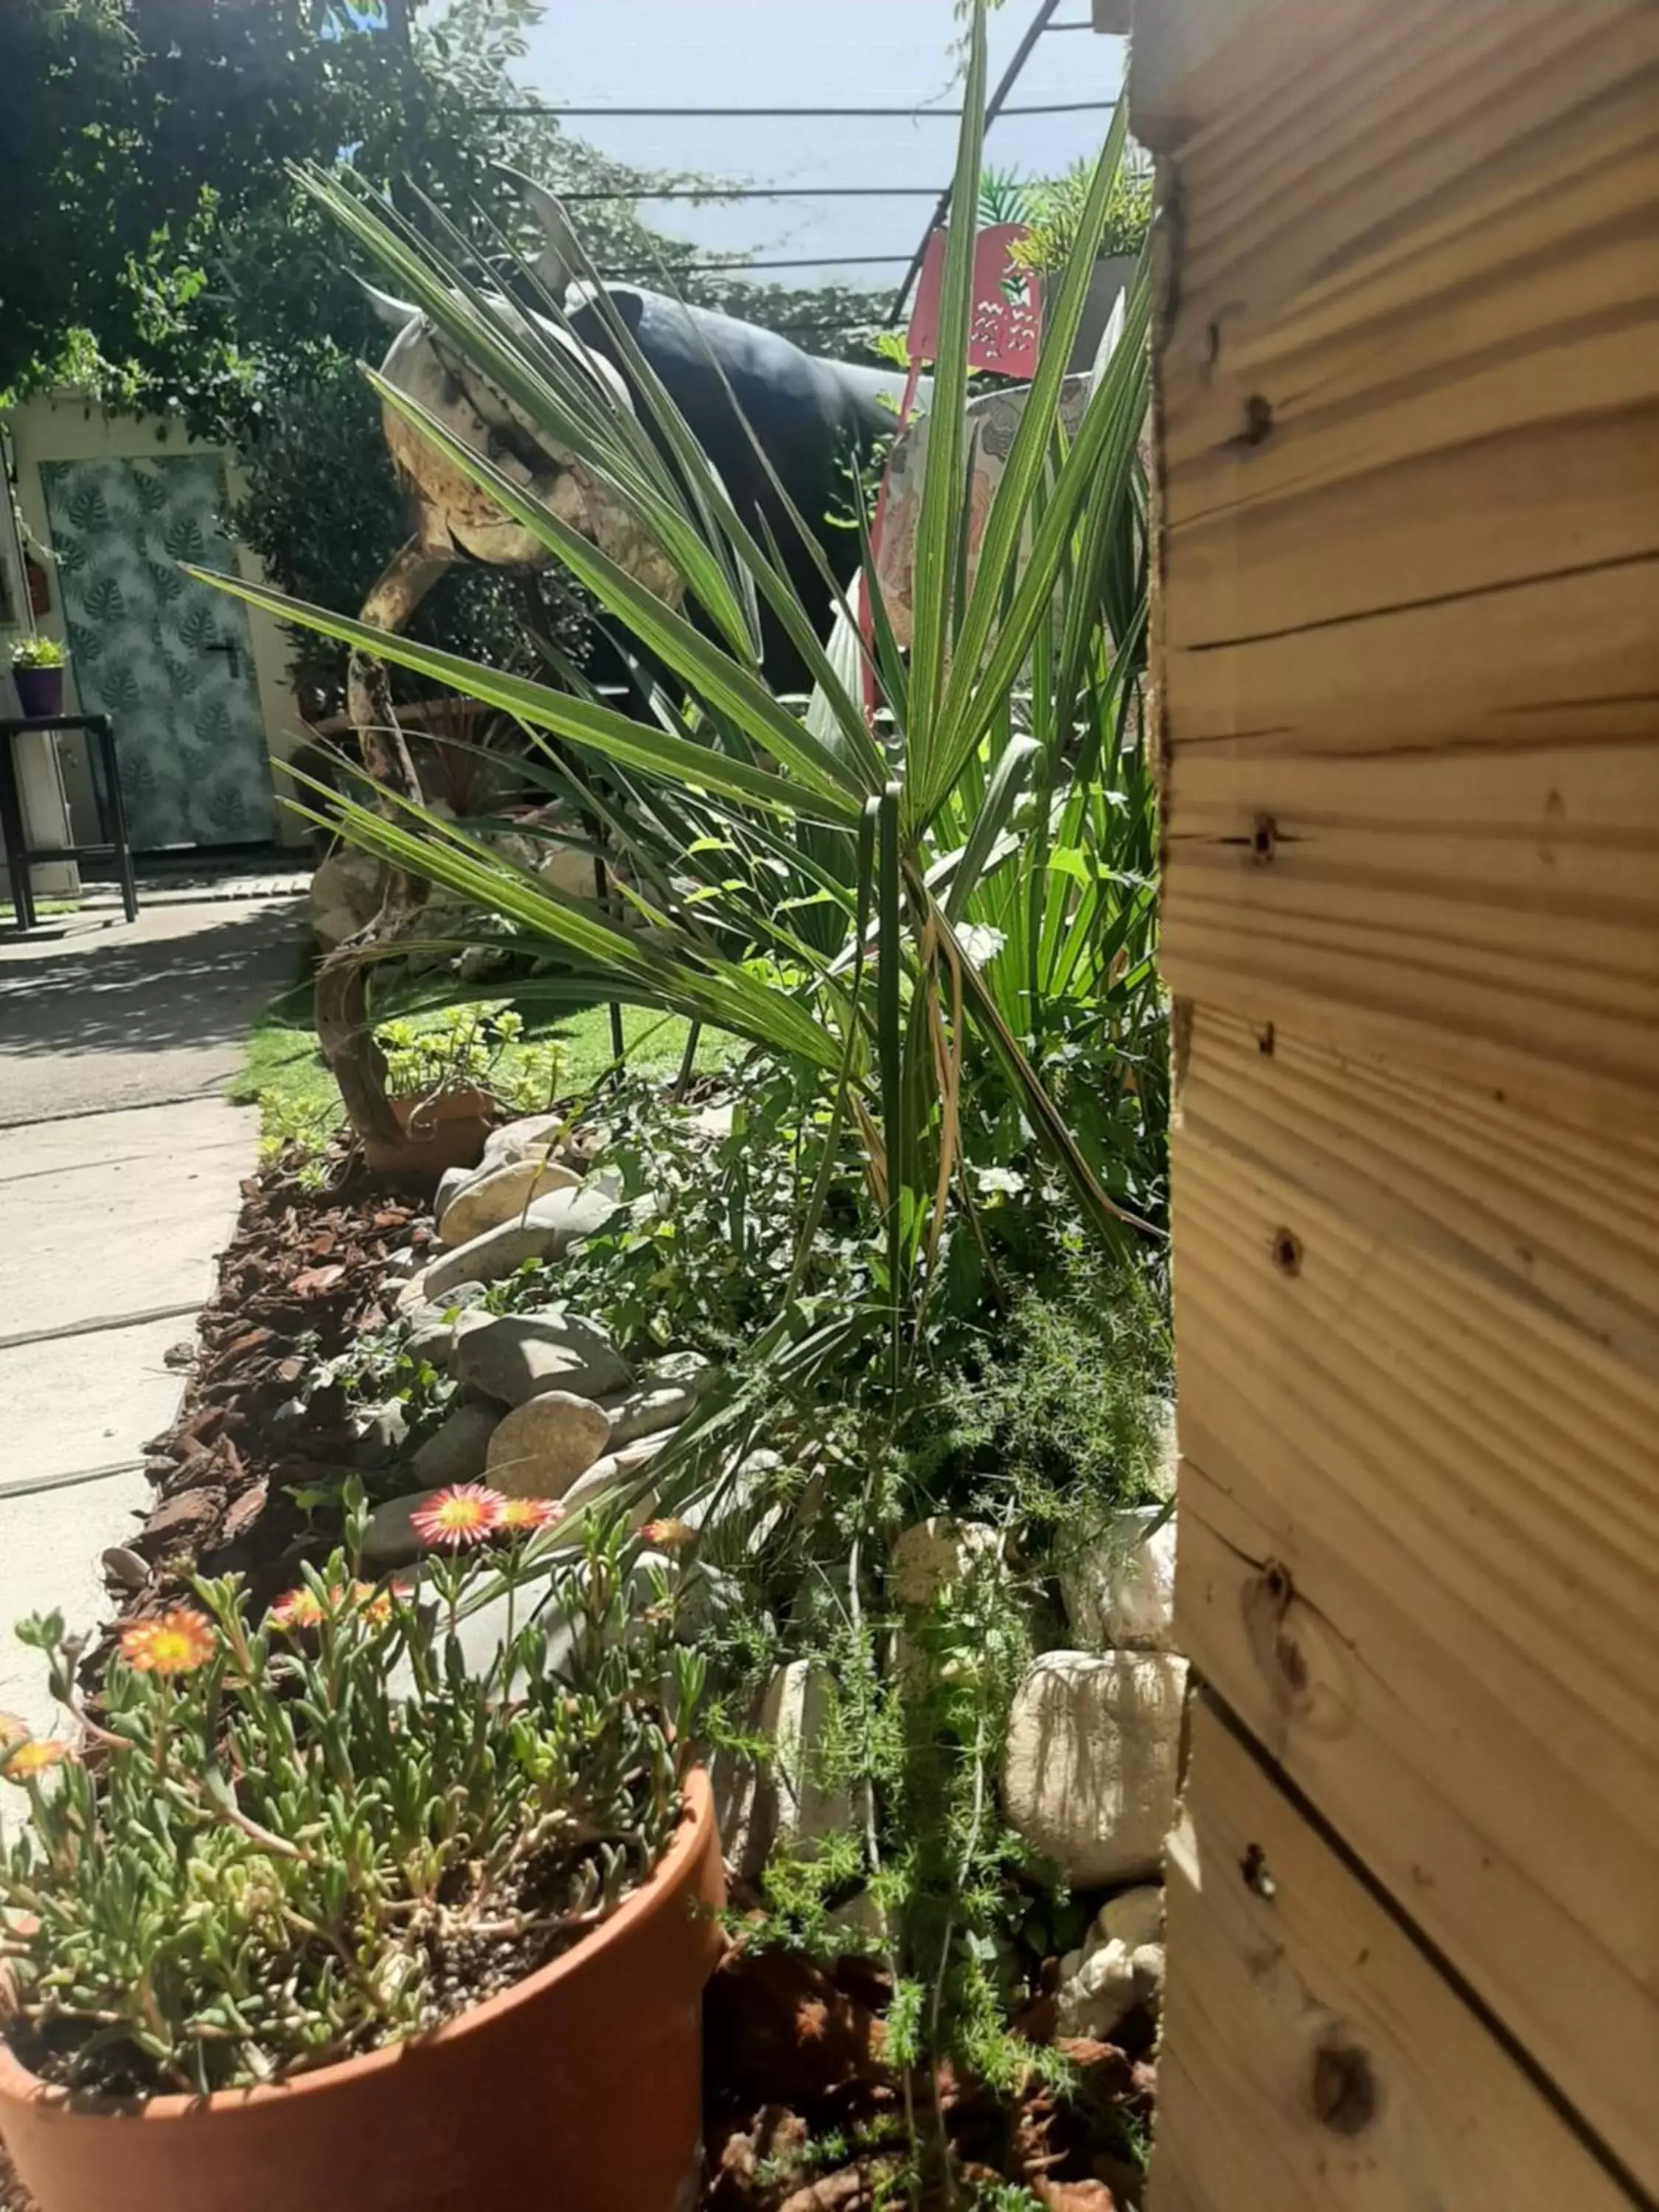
(997, 105)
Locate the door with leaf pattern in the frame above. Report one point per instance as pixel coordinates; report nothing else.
(168, 659)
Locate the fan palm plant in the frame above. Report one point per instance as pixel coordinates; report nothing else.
(929, 904)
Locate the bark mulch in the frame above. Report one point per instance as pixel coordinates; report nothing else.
(305, 1276)
(793, 2055)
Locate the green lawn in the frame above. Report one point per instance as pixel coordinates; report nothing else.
(286, 1077)
(43, 906)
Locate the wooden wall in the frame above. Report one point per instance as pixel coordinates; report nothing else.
(1408, 692)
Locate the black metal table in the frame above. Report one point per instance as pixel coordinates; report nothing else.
(20, 857)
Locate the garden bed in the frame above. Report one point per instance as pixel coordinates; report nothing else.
(804, 2110)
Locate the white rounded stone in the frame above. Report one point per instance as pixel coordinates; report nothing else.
(1120, 1590)
(513, 1356)
(552, 1225)
(459, 1451)
(936, 1554)
(1090, 1765)
(485, 1201)
(540, 1447)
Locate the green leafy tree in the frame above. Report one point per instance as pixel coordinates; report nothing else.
(156, 257)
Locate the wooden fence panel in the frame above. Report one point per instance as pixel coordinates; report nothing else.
(1406, 670)
(1314, 2059)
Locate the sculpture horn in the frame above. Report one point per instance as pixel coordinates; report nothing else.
(396, 314)
(559, 261)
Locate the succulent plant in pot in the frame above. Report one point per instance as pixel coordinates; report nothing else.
(37, 670)
(313, 1912)
(438, 1079)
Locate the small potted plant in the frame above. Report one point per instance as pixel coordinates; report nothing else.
(313, 1913)
(437, 1083)
(37, 670)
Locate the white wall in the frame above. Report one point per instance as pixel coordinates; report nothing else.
(62, 429)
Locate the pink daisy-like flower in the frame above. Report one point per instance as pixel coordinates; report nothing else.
(523, 1516)
(303, 1608)
(466, 1513)
(300, 1608)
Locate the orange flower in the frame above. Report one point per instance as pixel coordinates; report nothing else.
(300, 1608)
(523, 1516)
(668, 1535)
(12, 1729)
(464, 1513)
(174, 1643)
(33, 1755)
(303, 1608)
(376, 1603)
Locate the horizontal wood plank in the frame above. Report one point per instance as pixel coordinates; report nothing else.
(1536, 312)
(1399, 131)
(1570, 491)
(1420, 1538)
(1314, 2060)
(1553, 659)
(1555, 1215)
(1407, 387)
(1495, 908)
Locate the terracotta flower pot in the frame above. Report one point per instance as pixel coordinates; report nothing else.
(444, 1132)
(579, 2088)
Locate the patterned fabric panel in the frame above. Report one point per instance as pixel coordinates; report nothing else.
(188, 730)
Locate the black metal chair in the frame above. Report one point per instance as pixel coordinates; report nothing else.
(107, 789)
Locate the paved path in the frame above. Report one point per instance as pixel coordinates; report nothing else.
(119, 1169)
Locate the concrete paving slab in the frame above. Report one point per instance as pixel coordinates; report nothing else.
(114, 1205)
(107, 1014)
(76, 1402)
(50, 1546)
(108, 1216)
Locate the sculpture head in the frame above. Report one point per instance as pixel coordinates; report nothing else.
(453, 511)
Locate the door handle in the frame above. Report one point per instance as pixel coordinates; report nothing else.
(231, 650)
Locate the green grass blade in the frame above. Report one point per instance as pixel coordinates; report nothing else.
(941, 521)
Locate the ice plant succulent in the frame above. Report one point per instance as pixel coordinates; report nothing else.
(298, 1608)
(293, 1846)
(308, 1608)
(466, 1513)
(668, 1535)
(176, 1642)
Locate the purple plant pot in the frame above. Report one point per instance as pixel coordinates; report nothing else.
(39, 690)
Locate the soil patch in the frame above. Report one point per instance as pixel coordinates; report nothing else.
(13, 2198)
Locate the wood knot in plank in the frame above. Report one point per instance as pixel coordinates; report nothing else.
(1258, 423)
(1305, 1665)
(1344, 2088)
(1257, 1874)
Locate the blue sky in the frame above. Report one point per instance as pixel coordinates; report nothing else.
(805, 53)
